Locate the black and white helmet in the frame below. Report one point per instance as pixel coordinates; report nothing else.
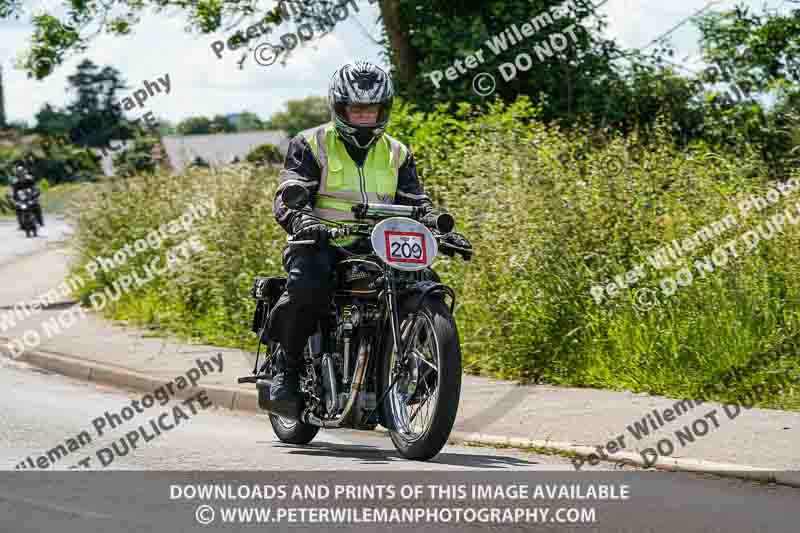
(360, 82)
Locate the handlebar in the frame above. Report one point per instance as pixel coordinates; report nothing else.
(444, 223)
(385, 210)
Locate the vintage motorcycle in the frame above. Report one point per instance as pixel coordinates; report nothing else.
(25, 203)
(389, 352)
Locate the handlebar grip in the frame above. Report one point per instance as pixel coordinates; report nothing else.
(310, 241)
(445, 222)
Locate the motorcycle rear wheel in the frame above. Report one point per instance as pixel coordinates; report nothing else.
(423, 402)
(291, 431)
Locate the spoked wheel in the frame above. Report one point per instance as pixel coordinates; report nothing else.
(423, 400)
(288, 430)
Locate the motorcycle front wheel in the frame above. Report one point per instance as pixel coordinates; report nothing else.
(422, 404)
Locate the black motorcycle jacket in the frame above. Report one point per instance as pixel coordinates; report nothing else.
(24, 183)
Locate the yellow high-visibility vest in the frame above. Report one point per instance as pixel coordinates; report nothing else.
(343, 184)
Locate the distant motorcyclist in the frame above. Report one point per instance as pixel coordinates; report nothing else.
(20, 182)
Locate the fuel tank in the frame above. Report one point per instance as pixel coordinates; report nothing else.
(357, 277)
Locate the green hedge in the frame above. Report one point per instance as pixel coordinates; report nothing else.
(551, 214)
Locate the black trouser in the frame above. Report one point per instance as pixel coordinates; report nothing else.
(309, 289)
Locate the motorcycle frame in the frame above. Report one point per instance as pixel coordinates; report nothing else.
(391, 314)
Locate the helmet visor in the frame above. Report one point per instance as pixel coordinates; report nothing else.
(364, 114)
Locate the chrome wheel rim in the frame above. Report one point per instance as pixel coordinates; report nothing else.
(414, 379)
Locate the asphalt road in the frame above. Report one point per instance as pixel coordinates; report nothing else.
(129, 486)
(14, 244)
(39, 411)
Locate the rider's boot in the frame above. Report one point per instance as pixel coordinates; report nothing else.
(285, 396)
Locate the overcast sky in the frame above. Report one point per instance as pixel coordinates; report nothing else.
(201, 84)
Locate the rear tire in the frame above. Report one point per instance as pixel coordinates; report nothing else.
(437, 322)
(291, 431)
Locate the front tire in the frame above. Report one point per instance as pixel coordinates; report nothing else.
(432, 375)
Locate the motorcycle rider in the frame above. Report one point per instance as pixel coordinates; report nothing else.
(341, 163)
(21, 181)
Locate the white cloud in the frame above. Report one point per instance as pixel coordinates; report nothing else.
(202, 84)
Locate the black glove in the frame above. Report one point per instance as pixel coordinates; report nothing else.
(307, 228)
(456, 239)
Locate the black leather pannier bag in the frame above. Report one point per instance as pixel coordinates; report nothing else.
(266, 292)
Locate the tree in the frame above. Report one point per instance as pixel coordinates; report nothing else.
(138, 158)
(52, 159)
(194, 126)
(221, 124)
(95, 114)
(165, 127)
(300, 115)
(247, 121)
(92, 119)
(420, 37)
(265, 154)
(761, 52)
(755, 53)
(51, 121)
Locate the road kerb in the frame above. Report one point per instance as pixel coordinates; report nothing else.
(240, 400)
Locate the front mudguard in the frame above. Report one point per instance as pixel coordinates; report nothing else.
(410, 298)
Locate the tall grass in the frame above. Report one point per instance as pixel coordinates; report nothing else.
(550, 215)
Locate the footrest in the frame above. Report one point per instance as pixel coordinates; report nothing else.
(292, 411)
(252, 379)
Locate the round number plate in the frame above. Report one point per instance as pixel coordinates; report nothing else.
(404, 244)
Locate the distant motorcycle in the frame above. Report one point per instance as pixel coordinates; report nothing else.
(25, 202)
(389, 351)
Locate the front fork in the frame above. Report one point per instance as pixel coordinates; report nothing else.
(391, 301)
(392, 306)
